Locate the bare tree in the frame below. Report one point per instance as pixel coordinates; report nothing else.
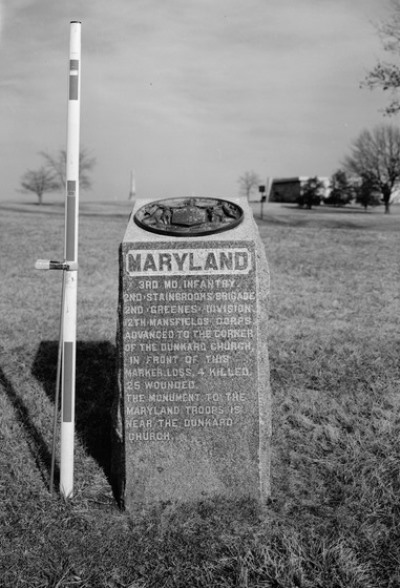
(248, 182)
(376, 154)
(386, 75)
(39, 181)
(57, 165)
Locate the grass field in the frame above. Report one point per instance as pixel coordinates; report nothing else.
(333, 520)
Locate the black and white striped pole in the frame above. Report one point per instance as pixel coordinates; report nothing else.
(71, 259)
(69, 267)
(261, 189)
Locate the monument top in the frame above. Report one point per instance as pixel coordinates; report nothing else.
(179, 217)
(190, 218)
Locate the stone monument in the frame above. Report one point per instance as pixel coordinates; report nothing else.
(194, 392)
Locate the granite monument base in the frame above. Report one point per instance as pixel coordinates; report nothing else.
(194, 394)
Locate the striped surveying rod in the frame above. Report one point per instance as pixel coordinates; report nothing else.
(67, 354)
(71, 257)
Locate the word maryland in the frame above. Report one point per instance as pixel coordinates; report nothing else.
(188, 262)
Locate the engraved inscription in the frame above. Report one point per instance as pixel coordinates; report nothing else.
(189, 342)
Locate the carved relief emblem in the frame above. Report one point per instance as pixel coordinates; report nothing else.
(189, 216)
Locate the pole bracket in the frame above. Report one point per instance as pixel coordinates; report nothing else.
(46, 264)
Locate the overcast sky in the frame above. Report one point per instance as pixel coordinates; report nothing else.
(189, 93)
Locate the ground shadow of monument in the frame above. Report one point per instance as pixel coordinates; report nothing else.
(95, 393)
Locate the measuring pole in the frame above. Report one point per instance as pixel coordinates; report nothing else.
(261, 189)
(132, 191)
(71, 261)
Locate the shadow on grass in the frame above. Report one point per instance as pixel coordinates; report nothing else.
(36, 443)
(328, 217)
(95, 390)
(309, 222)
(326, 209)
(88, 209)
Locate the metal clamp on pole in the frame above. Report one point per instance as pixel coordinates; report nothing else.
(47, 264)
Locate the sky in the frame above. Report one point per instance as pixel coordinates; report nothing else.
(189, 94)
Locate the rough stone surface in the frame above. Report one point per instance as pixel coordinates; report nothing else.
(194, 395)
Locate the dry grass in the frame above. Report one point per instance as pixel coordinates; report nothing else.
(333, 520)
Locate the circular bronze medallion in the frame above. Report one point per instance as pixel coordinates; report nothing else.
(189, 217)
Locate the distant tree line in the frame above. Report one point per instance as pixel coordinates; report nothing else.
(369, 175)
(375, 161)
(371, 172)
(50, 177)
